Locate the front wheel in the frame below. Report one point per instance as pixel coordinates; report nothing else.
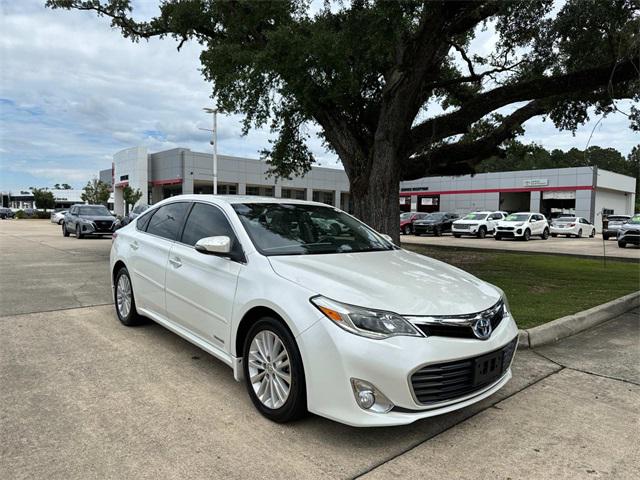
(545, 234)
(438, 231)
(605, 236)
(482, 232)
(407, 230)
(273, 371)
(457, 235)
(622, 243)
(527, 235)
(78, 232)
(65, 232)
(579, 235)
(497, 237)
(593, 233)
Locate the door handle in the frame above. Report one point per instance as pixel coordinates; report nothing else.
(176, 262)
(134, 245)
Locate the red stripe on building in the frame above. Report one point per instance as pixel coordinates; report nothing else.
(171, 181)
(498, 190)
(121, 184)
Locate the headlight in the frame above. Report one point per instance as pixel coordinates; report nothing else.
(363, 321)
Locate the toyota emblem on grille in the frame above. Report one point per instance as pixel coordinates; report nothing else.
(482, 328)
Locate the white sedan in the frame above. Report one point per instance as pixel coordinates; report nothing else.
(572, 227)
(341, 323)
(58, 217)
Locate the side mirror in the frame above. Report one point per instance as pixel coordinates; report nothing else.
(214, 245)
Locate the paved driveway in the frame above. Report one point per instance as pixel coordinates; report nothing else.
(590, 247)
(82, 396)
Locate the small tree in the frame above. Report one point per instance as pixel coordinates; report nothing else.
(96, 192)
(57, 187)
(43, 198)
(130, 196)
(66, 186)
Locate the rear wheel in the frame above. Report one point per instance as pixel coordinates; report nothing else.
(124, 300)
(605, 236)
(545, 234)
(593, 233)
(407, 230)
(438, 231)
(527, 235)
(65, 232)
(273, 371)
(579, 235)
(482, 232)
(457, 235)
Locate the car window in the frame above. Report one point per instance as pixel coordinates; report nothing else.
(167, 220)
(143, 220)
(495, 216)
(206, 221)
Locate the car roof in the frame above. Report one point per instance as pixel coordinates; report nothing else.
(233, 199)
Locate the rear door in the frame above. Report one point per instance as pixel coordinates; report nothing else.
(150, 247)
(201, 287)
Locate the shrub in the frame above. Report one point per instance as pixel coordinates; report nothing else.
(21, 214)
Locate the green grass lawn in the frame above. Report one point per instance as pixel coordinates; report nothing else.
(541, 288)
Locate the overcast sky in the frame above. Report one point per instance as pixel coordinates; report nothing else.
(73, 92)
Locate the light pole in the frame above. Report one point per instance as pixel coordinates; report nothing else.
(214, 142)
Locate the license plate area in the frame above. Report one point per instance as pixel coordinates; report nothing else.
(487, 368)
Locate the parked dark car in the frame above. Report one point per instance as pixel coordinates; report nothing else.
(6, 213)
(407, 219)
(436, 223)
(88, 220)
(135, 212)
(614, 222)
(629, 233)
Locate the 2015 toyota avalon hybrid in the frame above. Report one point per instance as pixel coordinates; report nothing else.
(336, 321)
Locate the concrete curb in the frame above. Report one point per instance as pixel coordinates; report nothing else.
(572, 324)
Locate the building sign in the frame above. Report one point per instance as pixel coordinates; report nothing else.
(403, 200)
(562, 195)
(428, 201)
(536, 182)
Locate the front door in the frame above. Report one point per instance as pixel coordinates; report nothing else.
(200, 287)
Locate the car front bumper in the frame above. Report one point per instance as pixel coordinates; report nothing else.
(468, 230)
(630, 237)
(424, 228)
(93, 229)
(332, 357)
(516, 232)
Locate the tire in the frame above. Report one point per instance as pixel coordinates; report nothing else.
(545, 234)
(554, 235)
(605, 236)
(438, 231)
(60, 222)
(406, 230)
(294, 405)
(65, 232)
(497, 237)
(527, 235)
(579, 235)
(457, 235)
(622, 243)
(482, 232)
(127, 316)
(78, 232)
(593, 233)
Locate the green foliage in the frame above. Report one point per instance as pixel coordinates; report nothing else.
(20, 215)
(130, 196)
(96, 192)
(43, 198)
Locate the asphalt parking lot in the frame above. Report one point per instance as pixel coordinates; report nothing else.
(81, 396)
(587, 247)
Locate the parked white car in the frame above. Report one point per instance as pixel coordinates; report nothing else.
(478, 224)
(572, 227)
(346, 325)
(523, 225)
(58, 217)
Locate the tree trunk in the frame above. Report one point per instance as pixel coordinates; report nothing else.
(376, 200)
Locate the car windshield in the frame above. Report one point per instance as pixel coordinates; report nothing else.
(434, 216)
(94, 210)
(475, 216)
(635, 220)
(405, 216)
(300, 229)
(517, 217)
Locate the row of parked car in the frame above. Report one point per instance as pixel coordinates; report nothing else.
(522, 225)
(92, 220)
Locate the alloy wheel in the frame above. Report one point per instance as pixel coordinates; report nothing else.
(124, 296)
(269, 369)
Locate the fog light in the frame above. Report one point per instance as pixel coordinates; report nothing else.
(368, 397)
(519, 231)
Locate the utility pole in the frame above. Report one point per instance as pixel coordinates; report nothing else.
(214, 142)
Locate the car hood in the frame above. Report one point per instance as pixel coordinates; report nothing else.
(511, 224)
(399, 281)
(428, 222)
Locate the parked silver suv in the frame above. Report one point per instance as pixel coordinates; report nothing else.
(614, 222)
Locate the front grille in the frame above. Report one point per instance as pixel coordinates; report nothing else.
(506, 229)
(457, 331)
(632, 232)
(462, 226)
(447, 381)
(103, 225)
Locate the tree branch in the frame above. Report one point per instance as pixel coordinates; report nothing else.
(436, 129)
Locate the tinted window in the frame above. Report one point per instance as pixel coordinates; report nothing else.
(206, 221)
(167, 220)
(94, 210)
(143, 221)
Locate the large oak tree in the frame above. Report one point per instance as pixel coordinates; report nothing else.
(371, 74)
